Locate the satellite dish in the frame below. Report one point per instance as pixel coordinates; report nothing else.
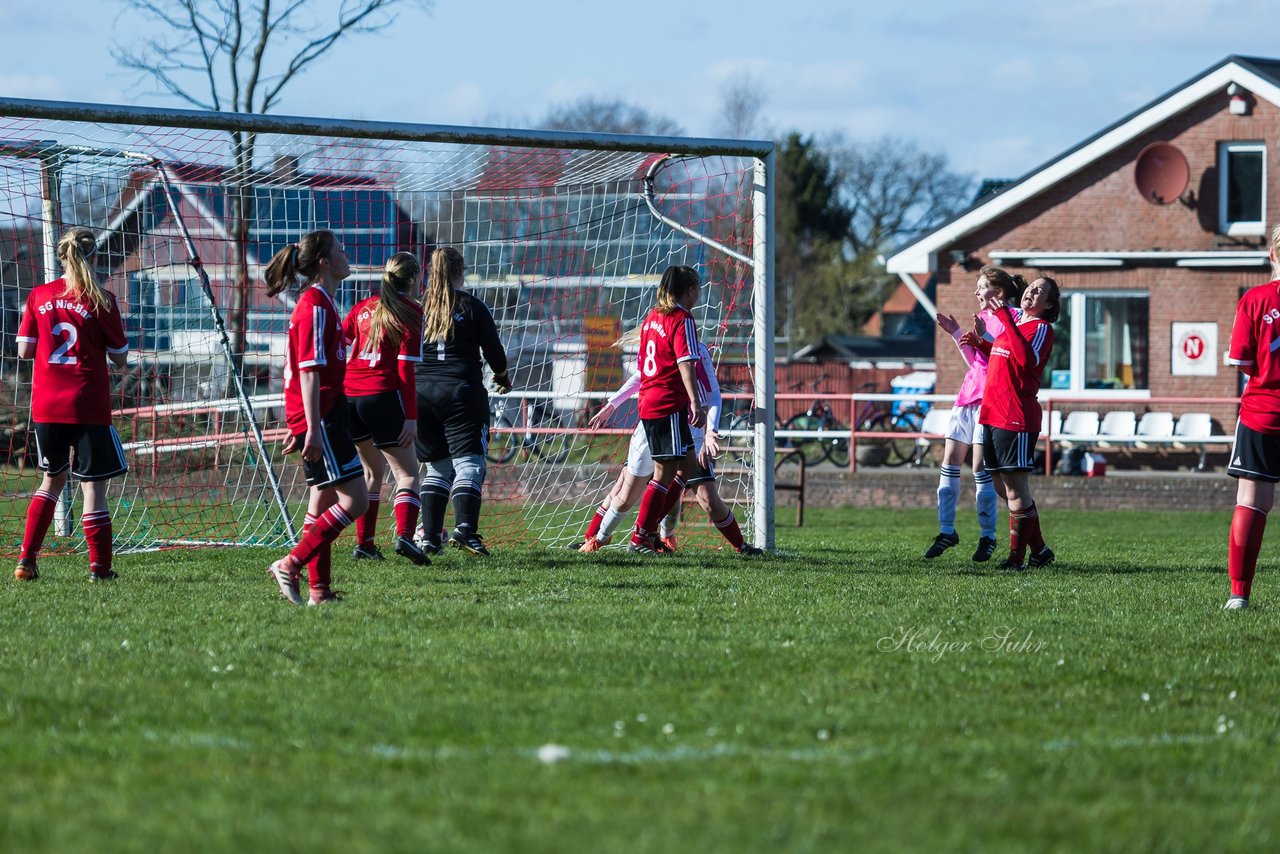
(1161, 173)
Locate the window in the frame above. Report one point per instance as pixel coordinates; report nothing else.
(1100, 343)
(1242, 188)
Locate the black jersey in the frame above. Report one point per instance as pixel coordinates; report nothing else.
(458, 358)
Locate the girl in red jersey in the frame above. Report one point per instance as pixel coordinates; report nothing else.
(316, 410)
(1011, 413)
(670, 405)
(70, 327)
(384, 333)
(1255, 455)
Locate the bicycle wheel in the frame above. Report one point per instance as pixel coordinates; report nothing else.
(837, 447)
(902, 450)
(810, 447)
(504, 442)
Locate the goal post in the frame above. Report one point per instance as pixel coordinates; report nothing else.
(564, 235)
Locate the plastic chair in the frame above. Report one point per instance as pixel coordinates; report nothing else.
(1193, 429)
(936, 421)
(1079, 426)
(1051, 422)
(1156, 428)
(1117, 427)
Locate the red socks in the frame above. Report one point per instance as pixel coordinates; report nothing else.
(674, 493)
(322, 532)
(652, 508)
(593, 528)
(1247, 525)
(728, 527)
(97, 534)
(1024, 534)
(320, 567)
(367, 525)
(39, 518)
(406, 508)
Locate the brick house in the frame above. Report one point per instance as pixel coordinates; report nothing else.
(1150, 285)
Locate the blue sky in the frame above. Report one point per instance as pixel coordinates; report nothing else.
(998, 86)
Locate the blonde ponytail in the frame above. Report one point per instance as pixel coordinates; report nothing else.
(437, 305)
(74, 249)
(677, 281)
(396, 310)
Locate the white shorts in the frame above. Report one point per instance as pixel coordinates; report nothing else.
(964, 426)
(640, 461)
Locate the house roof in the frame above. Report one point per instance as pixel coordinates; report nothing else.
(1260, 76)
(846, 348)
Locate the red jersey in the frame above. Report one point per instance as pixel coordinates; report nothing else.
(390, 367)
(316, 344)
(70, 384)
(1255, 339)
(666, 340)
(1014, 368)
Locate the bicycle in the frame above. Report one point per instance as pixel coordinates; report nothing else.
(818, 418)
(879, 416)
(516, 425)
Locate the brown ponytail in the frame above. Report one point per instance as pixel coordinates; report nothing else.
(396, 310)
(447, 267)
(298, 259)
(676, 282)
(1010, 287)
(74, 249)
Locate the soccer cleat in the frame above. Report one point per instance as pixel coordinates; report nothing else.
(407, 548)
(1011, 564)
(749, 550)
(323, 596)
(287, 579)
(1044, 557)
(431, 547)
(645, 546)
(941, 543)
(107, 575)
(986, 549)
(668, 543)
(591, 544)
(369, 552)
(1236, 603)
(469, 543)
(26, 571)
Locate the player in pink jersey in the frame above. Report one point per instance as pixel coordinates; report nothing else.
(1255, 454)
(963, 430)
(316, 410)
(70, 327)
(670, 406)
(1011, 413)
(384, 334)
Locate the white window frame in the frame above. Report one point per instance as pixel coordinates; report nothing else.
(1244, 227)
(1076, 365)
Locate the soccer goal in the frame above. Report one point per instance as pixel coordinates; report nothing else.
(565, 236)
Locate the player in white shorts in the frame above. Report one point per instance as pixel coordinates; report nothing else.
(634, 477)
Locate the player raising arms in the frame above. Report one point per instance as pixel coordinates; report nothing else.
(964, 431)
(453, 406)
(670, 406)
(1255, 455)
(316, 410)
(70, 327)
(1011, 414)
(384, 333)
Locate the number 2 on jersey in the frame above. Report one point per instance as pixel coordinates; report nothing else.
(650, 365)
(59, 356)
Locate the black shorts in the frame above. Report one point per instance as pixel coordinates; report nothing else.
(670, 437)
(99, 454)
(1008, 450)
(379, 417)
(338, 461)
(1254, 455)
(453, 421)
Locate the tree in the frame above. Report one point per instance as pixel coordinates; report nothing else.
(608, 115)
(742, 103)
(240, 55)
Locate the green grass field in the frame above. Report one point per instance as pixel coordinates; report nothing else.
(703, 702)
